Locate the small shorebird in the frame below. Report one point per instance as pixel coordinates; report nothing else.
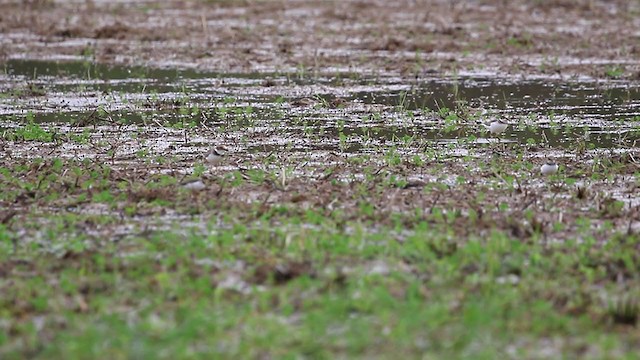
(497, 127)
(549, 168)
(216, 155)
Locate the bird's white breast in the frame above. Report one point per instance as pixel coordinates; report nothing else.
(548, 169)
(497, 127)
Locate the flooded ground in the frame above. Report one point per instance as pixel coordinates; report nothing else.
(345, 169)
(344, 114)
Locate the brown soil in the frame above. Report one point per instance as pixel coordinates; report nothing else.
(583, 37)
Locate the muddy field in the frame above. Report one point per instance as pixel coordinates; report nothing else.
(411, 38)
(361, 208)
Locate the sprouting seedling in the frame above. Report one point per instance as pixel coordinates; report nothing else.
(625, 310)
(582, 192)
(402, 101)
(283, 178)
(343, 144)
(301, 71)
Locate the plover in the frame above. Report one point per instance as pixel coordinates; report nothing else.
(497, 127)
(216, 155)
(549, 168)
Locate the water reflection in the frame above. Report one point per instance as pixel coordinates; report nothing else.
(73, 90)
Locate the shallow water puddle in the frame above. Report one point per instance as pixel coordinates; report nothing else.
(608, 101)
(343, 111)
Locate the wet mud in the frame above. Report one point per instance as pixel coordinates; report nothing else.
(300, 134)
